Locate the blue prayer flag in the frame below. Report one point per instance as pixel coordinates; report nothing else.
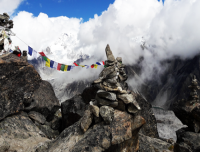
(69, 67)
(51, 63)
(30, 50)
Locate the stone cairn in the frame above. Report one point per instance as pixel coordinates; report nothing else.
(194, 97)
(113, 92)
(5, 22)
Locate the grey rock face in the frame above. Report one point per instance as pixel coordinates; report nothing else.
(107, 113)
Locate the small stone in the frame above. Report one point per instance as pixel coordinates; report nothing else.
(106, 102)
(126, 98)
(86, 120)
(106, 95)
(95, 110)
(37, 117)
(107, 113)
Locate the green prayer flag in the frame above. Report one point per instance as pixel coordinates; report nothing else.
(45, 58)
(62, 67)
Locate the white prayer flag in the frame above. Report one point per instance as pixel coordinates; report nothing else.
(55, 65)
(35, 54)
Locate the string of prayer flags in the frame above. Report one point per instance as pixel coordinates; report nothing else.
(59, 66)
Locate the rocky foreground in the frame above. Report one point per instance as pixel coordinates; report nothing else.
(31, 119)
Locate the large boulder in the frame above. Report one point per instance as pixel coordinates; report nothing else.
(148, 144)
(19, 133)
(187, 141)
(72, 110)
(21, 88)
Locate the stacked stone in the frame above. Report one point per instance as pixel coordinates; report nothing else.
(113, 93)
(5, 22)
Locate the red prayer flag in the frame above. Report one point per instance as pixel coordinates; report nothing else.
(103, 62)
(76, 64)
(92, 66)
(42, 53)
(59, 66)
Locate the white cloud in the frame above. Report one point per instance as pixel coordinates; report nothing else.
(9, 6)
(173, 29)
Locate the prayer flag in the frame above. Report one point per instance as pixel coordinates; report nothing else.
(55, 65)
(92, 66)
(95, 66)
(42, 53)
(100, 63)
(76, 64)
(62, 67)
(11, 51)
(51, 64)
(72, 67)
(34, 54)
(66, 66)
(82, 66)
(59, 66)
(87, 66)
(103, 62)
(69, 67)
(45, 58)
(48, 62)
(30, 50)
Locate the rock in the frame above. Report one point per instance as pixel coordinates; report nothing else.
(150, 127)
(72, 110)
(48, 131)
(132, 108)
(148, 144)
(94, 109)
(187, 141)
(4, 146)
(44, 101)
(86, 120)
(118, 136)
(121, 105)
(107, 113)
(56, 123)
(21, 133)
(37, 117)
(167, 123)
(106, 102)
(109, 54)
(106, 95)
(22, 88)
(89, 93)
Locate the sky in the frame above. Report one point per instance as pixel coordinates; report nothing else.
(168, 30)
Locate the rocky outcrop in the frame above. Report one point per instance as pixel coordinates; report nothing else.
(28, 107)
(19, 133)
(120, 134)
(187, 141)
(22, 89)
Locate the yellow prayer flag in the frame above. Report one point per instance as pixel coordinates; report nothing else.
(48, 62)
(66, 66)
(95, 66)
(82, 66)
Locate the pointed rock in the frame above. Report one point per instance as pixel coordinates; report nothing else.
(109, 54)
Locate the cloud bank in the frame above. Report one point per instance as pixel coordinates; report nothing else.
(9, 6)
(168, 30)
